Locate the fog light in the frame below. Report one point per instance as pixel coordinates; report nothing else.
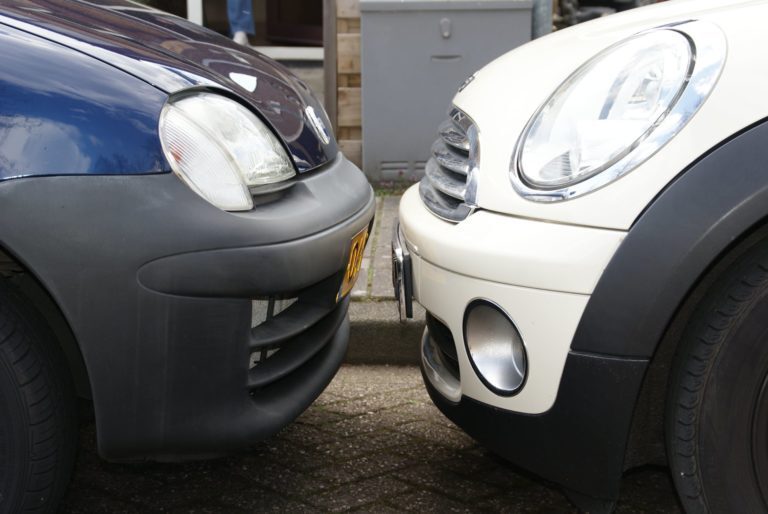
(495, 347)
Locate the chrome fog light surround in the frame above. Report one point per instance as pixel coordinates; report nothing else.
(495, 347)
(436, 370)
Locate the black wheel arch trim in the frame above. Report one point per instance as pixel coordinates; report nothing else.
(701, 215)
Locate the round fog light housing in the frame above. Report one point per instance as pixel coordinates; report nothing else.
(495, 347)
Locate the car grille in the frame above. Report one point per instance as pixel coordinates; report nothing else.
(448, 188)
(262, 311)
(288, 331)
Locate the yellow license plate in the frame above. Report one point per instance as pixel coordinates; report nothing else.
(356, 249)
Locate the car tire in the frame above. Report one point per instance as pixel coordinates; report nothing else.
(717, 405)
(38, 418)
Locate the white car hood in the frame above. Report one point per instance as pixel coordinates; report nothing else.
(506, 93)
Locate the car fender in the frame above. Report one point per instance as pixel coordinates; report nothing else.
(687, 228)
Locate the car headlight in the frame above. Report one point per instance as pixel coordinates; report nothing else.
(221, 149)
(617, 110)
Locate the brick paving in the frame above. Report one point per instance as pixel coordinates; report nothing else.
(372, 442)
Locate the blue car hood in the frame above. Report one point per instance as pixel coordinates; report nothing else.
(173, 54)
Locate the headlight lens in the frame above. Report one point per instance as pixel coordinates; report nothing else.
(220, 149)
(616, 111)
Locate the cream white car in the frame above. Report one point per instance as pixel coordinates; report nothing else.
(591, 247)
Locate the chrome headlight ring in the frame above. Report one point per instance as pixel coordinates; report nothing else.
(708, 54)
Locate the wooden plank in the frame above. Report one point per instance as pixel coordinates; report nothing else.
(348, 25)
(352, 150)
(348, 8)
(348, 107)
(349, 80)
(354, 80)
(353, 25)
(329, 60)
(348, 53)
(350, 133)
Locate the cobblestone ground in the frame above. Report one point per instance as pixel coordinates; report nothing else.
(372, 442)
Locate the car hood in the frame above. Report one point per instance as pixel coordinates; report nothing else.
(173, 55)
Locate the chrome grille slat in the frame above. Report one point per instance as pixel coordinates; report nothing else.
(454, 136)
(448, 158)
(441, 205)
(445, 181)
(448, 187)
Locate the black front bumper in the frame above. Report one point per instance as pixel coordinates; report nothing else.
(579, 443)
(157, 286)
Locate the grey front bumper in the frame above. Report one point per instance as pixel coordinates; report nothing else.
(157, 286)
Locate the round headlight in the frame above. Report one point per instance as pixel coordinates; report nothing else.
(617, 110)
(221, 149)
(495, 347)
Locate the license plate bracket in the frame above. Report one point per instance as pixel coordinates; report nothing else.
(402, 276)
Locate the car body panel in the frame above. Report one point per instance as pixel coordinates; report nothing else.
(163, 291)
(509, 249)
(516, 97)
(446, 296)
(685, 212)
(168, 359)
(696, 220)
(64, 112)
(174, 55)
(581, 441)
(540, 273)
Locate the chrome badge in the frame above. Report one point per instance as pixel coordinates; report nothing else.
(317, 125)
(466, 82)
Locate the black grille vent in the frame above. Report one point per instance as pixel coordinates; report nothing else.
(287, 333)
(443, 338)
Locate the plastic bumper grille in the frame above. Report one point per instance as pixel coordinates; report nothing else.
(288, 333)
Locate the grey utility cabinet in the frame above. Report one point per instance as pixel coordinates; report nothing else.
(415, 55)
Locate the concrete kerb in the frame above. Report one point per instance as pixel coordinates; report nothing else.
(376, 334)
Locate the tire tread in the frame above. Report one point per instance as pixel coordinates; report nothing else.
(722, 309)
(46, 391)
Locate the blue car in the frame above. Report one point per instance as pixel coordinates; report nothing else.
(178, 237)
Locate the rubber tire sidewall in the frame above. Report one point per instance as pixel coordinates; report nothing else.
(33, 375)
(720, 369)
